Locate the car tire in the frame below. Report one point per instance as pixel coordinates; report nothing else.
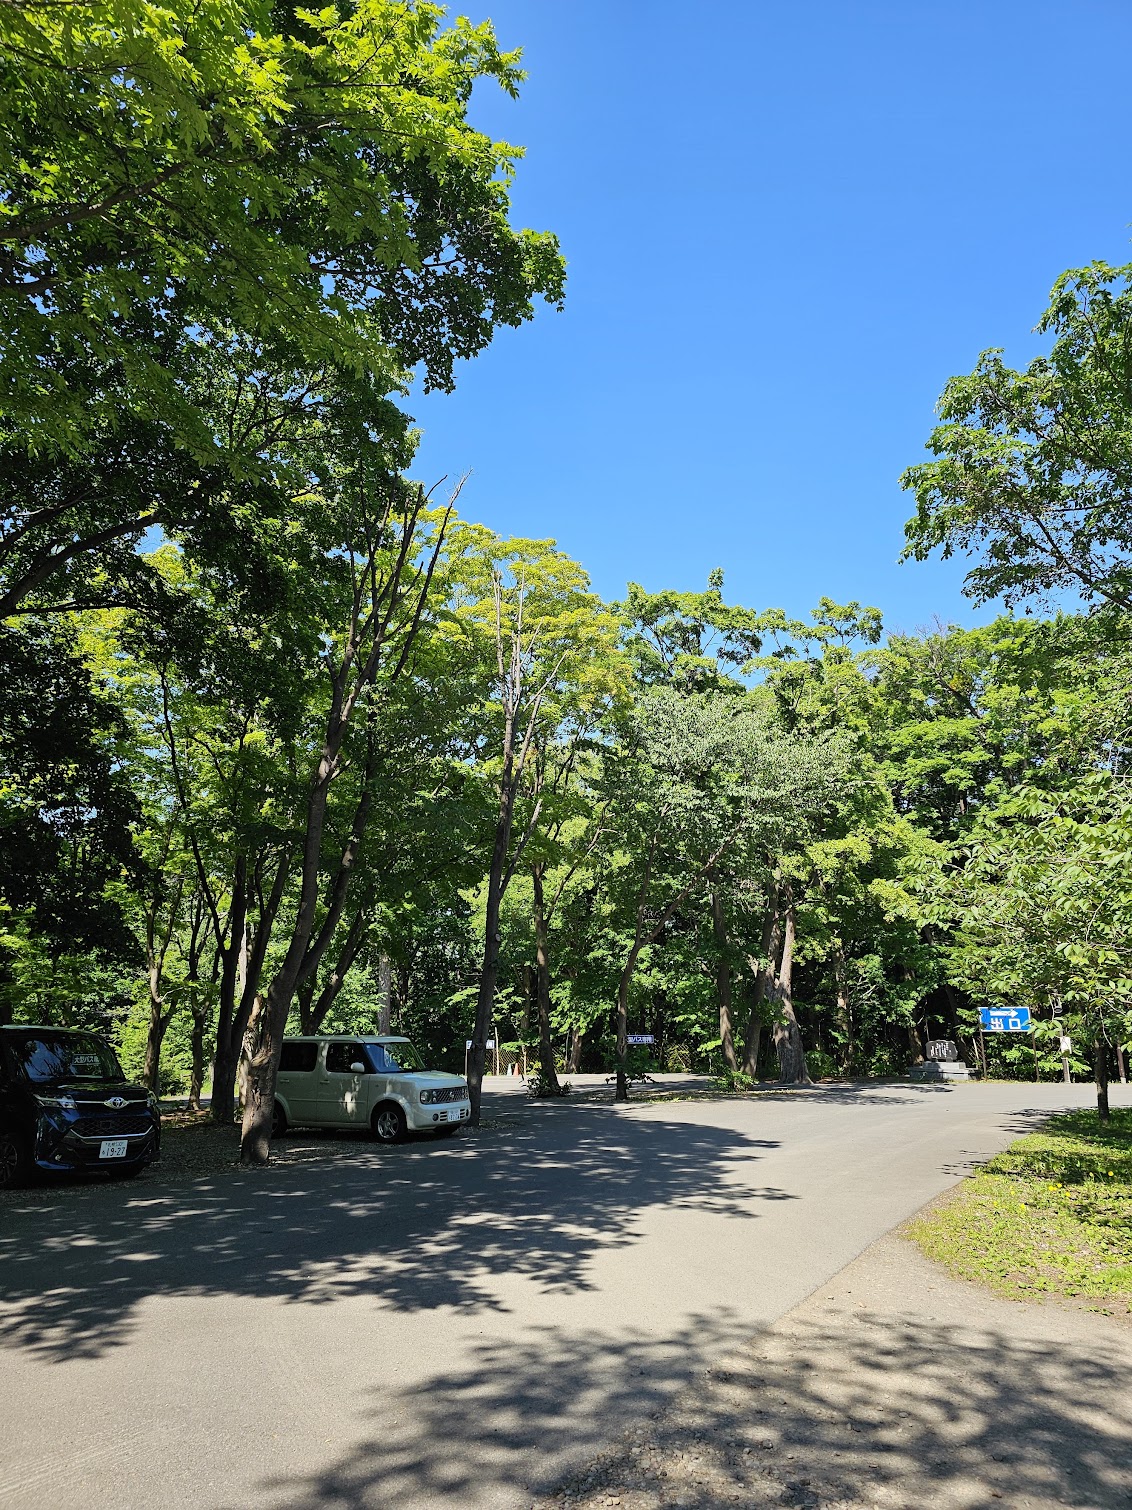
(15, 1163)
(278, 1121)
(388, 1122)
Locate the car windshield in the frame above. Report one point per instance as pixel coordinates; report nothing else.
(396, 1056)
(66, 1056)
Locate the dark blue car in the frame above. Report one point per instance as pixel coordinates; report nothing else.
(65, 1106)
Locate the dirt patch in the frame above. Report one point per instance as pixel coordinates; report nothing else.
(193, 1147)
(893, 1386)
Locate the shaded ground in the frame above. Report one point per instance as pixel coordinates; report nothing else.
(892, 1386)
(444, 1322)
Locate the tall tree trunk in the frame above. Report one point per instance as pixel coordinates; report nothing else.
(384, 992)
(267, 1020)
(156, 948)
(196, 1077)
(396, 601)
(492, 941)
(844, 1009)
(762, 970)
(1100, 1074)
(577, 1038)
(549, 1085)
(226, 1056)
(792, 1069)
(723, 980)
(159, 1021)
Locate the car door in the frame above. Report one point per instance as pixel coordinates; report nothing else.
(298, 1081)
(342, 1092)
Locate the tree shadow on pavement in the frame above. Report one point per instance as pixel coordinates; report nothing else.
(846, 1410)
(415, 1227)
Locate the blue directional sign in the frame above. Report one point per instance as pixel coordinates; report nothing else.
(1006, 1019)
(639, 1038)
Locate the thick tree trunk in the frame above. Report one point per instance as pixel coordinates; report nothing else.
(1100, 1074)
(548, 1074)
(196, 1078)
(723, 980)
(761, 970)
(915, 1044)
(371, 629)
(265, 1031)
(158, 1026)
(577, 1039)
(792, 1068)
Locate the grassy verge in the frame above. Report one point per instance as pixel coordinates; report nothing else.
(1052, 1214)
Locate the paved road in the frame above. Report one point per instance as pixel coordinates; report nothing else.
(443, 1324)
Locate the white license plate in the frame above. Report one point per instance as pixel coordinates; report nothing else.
(112, 1148)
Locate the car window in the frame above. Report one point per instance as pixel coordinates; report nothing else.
(65, 1056)
(340, 1056)
(298, 1057)
(396, 1056)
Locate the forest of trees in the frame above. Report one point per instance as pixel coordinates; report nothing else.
(286, 740)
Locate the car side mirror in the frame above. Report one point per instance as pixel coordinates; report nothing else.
(357, 1068)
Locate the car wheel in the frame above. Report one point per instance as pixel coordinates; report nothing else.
(14, 1162)
(388, 1123)
(278, 1121)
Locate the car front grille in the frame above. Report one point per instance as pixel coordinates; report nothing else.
(449, 1093)
(111, 1127)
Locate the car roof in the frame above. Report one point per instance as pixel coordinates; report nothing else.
(46, 1027)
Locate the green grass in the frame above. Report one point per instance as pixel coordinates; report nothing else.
(1050, 1215)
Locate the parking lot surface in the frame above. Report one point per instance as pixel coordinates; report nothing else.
(451, 1322)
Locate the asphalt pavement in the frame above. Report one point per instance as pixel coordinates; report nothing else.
(445, 1323)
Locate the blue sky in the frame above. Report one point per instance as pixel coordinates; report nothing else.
(786, 225)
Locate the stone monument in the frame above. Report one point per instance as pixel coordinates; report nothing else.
(941, 1063)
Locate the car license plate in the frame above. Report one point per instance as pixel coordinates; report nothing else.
(112, 1148)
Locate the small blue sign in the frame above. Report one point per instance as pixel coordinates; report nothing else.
(1006, 1019)
(639, 1038)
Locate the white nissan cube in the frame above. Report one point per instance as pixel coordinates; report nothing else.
(380, 1083)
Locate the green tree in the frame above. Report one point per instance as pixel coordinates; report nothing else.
(68, 813)
(1034, 469)
(1043, 912)
(304, 179)
(550, 649)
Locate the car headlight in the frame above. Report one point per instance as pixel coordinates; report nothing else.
(427, 1097)
(154, 1103)
(59, 1103)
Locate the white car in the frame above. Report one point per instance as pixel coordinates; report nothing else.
(380, 1083)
